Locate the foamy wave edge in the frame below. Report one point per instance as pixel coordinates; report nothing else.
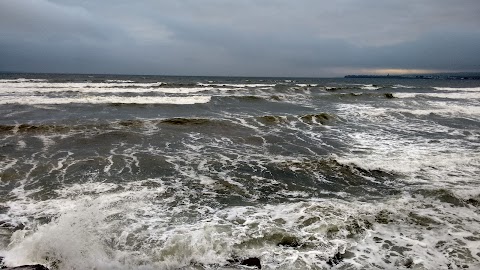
(40, 100)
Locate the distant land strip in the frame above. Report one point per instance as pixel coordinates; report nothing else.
(425, 77)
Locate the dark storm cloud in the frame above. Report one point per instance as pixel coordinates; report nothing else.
(250, 37)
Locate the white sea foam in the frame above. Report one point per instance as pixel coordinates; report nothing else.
(402, 86)
(237, 85)
(21, 144)
(455, 110)
(131, 230)
(115, 86)
(405, 95)
(429, 107)
(369, 87)
(444, 108)
(119, 81)
(475, 89)
(177, 222)
(35, 100)
(19, 84)
(22, 80)
(169, 90)
(157, 224)
(306, 85)
(382, 145)
(6, 164)
(416, 162)
(449, 95)
(71, 85)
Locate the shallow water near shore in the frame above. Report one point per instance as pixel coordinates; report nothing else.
(148, 172)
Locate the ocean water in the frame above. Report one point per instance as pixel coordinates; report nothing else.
(147, 172)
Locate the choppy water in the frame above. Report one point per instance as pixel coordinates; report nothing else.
(131, 172)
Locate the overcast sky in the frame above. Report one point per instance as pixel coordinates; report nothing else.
(240, 37)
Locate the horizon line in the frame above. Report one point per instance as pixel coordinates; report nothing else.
(239, 76)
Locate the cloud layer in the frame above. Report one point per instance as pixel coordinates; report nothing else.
(248, 38)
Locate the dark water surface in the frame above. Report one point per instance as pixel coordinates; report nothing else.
(149, 172)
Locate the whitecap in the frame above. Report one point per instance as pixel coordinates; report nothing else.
(457, 88)
(35, 100)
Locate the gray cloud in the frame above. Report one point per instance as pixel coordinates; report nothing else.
(226, 37)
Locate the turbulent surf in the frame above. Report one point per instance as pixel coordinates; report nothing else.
(150, 172)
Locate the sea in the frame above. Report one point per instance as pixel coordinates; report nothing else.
(161, 172)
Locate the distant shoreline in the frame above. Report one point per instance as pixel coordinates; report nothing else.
(422, 77)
